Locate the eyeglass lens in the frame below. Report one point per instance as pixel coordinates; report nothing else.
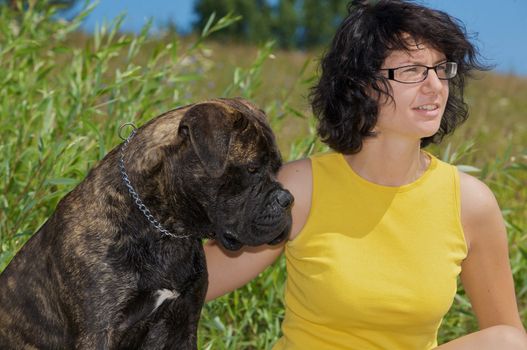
(416, 73)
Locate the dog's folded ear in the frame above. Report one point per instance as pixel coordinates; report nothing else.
(209, 127)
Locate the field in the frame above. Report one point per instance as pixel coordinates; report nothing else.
(63, 96)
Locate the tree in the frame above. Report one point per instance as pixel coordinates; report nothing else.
(320, 19)
(22, 5)
(257, 17)
(254, 25)
(292, 23)
(285, 24)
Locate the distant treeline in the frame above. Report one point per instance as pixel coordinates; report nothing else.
(292, 23)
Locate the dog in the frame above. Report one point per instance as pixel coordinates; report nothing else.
(120, 263)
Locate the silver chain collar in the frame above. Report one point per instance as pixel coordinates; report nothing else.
(135, 196)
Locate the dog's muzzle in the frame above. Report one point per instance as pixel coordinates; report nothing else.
(271, 225)
(230, 241)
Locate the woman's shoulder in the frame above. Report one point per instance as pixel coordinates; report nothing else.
(479, 208)
(476, 196)
(303, 167)
(299, 167)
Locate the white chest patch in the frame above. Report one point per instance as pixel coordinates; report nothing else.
(164, 294)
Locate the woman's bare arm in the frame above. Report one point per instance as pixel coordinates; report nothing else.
(231, 270)
(486, 273)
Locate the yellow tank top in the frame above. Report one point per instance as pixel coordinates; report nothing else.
(375, 267)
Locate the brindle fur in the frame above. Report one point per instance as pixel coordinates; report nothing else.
(90, 277)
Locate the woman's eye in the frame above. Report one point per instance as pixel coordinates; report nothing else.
(410, 70)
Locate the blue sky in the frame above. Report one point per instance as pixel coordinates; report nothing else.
(501, 26)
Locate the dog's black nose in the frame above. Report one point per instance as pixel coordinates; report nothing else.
(284, 198)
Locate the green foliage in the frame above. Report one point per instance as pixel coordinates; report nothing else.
(34, 5)
(63, 97)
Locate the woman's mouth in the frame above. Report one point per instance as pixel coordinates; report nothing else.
(428, 110)
(429, 107)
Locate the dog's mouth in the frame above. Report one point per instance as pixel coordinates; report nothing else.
(230, 242)
(280, 238)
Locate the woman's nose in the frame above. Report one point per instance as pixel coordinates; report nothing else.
(432, 83)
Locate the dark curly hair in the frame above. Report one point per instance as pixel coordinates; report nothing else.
(342, 99)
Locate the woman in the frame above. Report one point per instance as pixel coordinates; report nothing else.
(381, 228)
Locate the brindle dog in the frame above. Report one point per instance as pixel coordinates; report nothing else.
(120, 263)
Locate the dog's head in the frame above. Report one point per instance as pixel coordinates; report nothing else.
(211, 166)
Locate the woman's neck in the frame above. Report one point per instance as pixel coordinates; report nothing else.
(389, 162)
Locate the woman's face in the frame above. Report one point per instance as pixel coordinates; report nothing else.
(418, 107)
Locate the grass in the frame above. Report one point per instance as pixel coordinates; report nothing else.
(64, 94)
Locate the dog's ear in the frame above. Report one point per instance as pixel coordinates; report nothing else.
(209, 127)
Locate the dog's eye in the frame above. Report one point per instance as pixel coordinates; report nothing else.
(183, 130)
(241, 123)
(252, 169)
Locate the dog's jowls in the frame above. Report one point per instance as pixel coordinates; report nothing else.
(99, 275)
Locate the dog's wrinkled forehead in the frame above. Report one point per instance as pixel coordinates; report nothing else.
(163, 127)
(247, 108)
(233, 127)
(256, 138)
(239, 108)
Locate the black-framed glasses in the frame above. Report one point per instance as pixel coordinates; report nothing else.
(417, 73)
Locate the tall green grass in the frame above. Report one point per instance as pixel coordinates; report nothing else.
(64, 94)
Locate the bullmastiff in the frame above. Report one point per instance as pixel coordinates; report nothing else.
(120, 263)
